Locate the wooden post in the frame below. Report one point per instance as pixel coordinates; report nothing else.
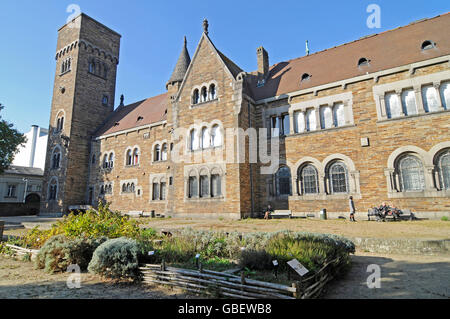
(242, 278)
(163, 265)
(297, 290)
(200, 267)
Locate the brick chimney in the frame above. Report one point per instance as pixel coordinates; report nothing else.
(263, 61)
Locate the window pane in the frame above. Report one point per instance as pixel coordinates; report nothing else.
(216, 136)
(409, 102)
(430, 99)
(338, 177)
(444, 168)
(338, 114)
(309, 180)
(393, 107)
(283, 181)
(286, 124)
(299, 122)
(193, 187)
(275, 126)
(163, 191)
(326, 117)
(311, 120)
(411, 172)
(164, 152)
(204, 186)
(194, 140)
(155, 191)
(206, 139)
(445, 95)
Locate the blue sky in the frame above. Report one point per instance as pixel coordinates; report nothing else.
(152, 36)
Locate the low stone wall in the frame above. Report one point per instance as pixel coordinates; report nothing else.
(18, 209)
(403, 246)
(362, 215)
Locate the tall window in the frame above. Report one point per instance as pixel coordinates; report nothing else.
(156, 194)
(285, 121)
(206, 138)
(129, 158)
(60, 123)
(283, 181)
(430, 98)
(311, 122)
(196, 97)
(163, 191)
(338, 114)
(56, 158)
(411, 174)
(193, 187)
(216, 185)
(212, 92)
(157, 153)
(338, 178)
(204, 94)
(194, 141)
(136, 156)
(164, 152)
(445, 95)
(91, 67)
(204, 186)
(409, 102)
(111, 160)
(299, 122)
(444, 169)
(216, 136)
(326, 117)
(11, 191)
(308, 180)
(393, 106)
(53, 189)
(105, 161)
(275, 126)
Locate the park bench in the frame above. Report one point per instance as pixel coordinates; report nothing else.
(281, 214)
(139, 213)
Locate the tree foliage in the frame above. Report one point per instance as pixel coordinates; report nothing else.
(10, 140)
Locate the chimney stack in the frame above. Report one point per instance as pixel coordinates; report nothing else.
(263, 61)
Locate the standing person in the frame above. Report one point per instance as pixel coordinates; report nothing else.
(352, 209)
(268, 211)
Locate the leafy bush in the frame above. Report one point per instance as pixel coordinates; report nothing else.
(255, 259)
(59, 252)
(444, 218)
(116, 258)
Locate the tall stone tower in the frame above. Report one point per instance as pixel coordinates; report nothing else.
(83, 97)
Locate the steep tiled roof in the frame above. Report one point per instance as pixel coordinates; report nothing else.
(182, 65)
(386, 50)
(141, 113)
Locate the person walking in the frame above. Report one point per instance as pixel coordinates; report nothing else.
(352, 209)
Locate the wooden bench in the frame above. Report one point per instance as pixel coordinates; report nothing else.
(281, 214)
(135, 213)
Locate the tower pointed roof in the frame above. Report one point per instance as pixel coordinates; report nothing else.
(182, 65)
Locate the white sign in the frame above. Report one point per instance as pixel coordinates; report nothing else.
(275, 262)
(298, 267)
(197, 256)
(151, 253)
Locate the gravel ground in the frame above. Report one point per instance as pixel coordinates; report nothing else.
(402, 277)
(19, 279)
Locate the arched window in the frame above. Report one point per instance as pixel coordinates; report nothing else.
(111, 160)
(393, 106)
(216, 185)
(105, 161)
(338, 178)
(102, 189)
(60, 122)
(430, 98)
(136, 156)
(363, 62)
(53, 189)
(56, 158)
(132, 188)
(204, 185)
(409, 102)
(444, 169)
(308, 179)
(155, 190)
(157, 153)
(283, 181)
(216, 136)
(326, 116)
(206, 138)
(196, 97)
(124, 188)
(164, 152)
(212, 92)
(445, 94)
(193, 187)
(194, 141)
(299, 122)
(305, 77)
(128, 158)
(204, 95)
(411, 173)
(92, 67)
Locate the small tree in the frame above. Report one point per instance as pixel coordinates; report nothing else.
(10, 140)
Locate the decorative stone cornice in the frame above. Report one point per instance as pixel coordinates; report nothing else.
(87, 46)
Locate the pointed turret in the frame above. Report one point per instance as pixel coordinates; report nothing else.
(182, 65)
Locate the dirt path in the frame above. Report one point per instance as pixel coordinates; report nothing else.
(421, 277)
(19, 279)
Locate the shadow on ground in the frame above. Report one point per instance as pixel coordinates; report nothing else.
(402, 277)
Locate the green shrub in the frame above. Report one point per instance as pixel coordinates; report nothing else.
(59, 252)
(255, 259)
(444, 218)
(116, 258)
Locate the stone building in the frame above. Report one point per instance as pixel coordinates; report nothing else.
(368, 119)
